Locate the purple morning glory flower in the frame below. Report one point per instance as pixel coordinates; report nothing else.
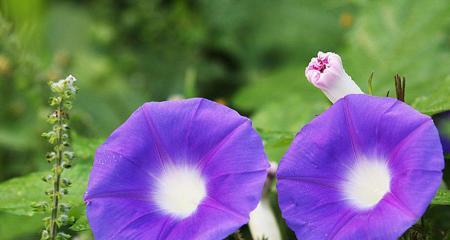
(367, 168)
(189, 169)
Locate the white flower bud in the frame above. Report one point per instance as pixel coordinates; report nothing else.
(327, 73)
(263, 223)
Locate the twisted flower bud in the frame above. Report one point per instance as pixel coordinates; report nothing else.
(327, 73)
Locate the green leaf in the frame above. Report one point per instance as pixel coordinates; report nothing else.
(19, 227)
(442, 197)
(17, 194)
(438, 102)
(406, 37)
(276, 143)
(81, 224)
(276, 138)
(284, 100)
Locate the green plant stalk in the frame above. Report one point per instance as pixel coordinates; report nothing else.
(57, 170)
(60, 157)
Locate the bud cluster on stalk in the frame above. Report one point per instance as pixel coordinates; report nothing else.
(60, 158)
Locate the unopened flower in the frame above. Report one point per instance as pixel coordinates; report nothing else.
(327, 73)
(263, 223)
(368, 167)
(188, 169)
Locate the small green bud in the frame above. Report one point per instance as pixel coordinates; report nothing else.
(66, 164)
(55, 101)
(57, 169)
(68, 105)
(51, 136)
(68, 155)
(46, 221)
(45, 235)
(58, 148)
(63, 236)
(64, 207)
(49, 192)
(63, 219)
(50, 156)
(47, 178)
(39, 206)
(65, 136)
(66, 182)
(52, 118)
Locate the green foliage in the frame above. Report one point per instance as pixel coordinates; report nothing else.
(284, 101)
(442, 197)
(84, 148)
(15, 227)
(129, 52)
(20, 104)
(405, 37)
(81, 224)
(275, 143)
(438, 101)
(17, 194)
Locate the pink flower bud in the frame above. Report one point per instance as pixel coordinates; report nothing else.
(327, 73)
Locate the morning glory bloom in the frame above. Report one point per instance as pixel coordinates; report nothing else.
(367, 168)
(187, 169)
(327, 73)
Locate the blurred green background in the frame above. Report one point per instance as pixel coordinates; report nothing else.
(249, 55)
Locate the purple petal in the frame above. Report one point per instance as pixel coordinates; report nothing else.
(140, 173)
(212, 221)
(116, 217)
(327, 154)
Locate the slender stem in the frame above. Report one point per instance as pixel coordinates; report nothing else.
(57, 173)
(370, 84)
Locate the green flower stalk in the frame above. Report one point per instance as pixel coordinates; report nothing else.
(60, 158)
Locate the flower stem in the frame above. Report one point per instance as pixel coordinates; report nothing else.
(60, 158)
(57, 170)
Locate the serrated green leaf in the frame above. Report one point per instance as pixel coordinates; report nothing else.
(442, 197)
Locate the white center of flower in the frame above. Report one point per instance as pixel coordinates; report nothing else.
(179, 190)
(367, 182)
